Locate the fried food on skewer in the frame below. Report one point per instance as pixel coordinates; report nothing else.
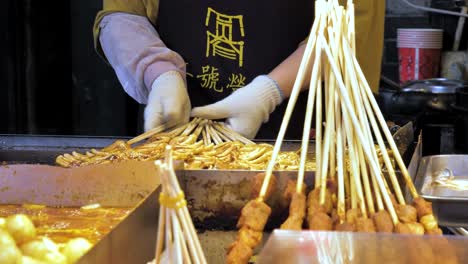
(257, 185)
(365, 225)
(425, 215)
(383, 222)
(297, 211)
(253, 218)
(345, 227)
(406, 213)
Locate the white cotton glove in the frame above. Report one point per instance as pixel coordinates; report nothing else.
(168, 101)
(246, 108)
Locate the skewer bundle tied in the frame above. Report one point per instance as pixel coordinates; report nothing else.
(177, 240)
(351, 191)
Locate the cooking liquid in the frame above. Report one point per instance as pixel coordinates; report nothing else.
(63, 224)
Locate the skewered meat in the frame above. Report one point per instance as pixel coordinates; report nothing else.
(250, 237)
(290, 190)
(406, 213)
(313, 201)
(429, 222)
(383, 222)
(238, 253)
(423, 207)
(402, 228)
(416, 228)
(298, 205)
(257, 186)
(297, 211)
(253, 218)
(335, 218)
(409, 228)
(293, 223)
(254, 215)
(345, 227)
(365, 225)
(320, 221)
(434, 232)
(332, 185)
(352, 215)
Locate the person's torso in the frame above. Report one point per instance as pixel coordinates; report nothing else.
(228, 44)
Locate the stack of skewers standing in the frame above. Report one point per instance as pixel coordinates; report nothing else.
(353, 190)
(177, 240)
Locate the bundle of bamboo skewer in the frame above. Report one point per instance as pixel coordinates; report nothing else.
(351, 192)
(177, 240)
(201, 144)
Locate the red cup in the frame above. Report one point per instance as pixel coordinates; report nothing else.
(419, 53)
(418, 63)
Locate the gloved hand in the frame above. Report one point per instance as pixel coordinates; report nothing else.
(168, 101)
(246, 108)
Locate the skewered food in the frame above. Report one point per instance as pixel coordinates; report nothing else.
(201, 144)
(356, 187)
(365, 225)
(177, 241)
(406, 213)
(383, 222)
(253, 218)
(297, 212)
(257, 185)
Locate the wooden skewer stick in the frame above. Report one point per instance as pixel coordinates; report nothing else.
(148, 134)
(364, 104)
(354, 159)
(318, 136)
(341, 206)
(290, 107)
(192, 125)
(183, 213)
(345, 99)
(199, 129)
(161, 225)
(215, 135)
(208, 134)
(326, 146)
(232, 134)
(366, 183)
(385, 129)
(316, 71)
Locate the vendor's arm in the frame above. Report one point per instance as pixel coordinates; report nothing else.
(285, 73)
(149, 72)
(370, 16)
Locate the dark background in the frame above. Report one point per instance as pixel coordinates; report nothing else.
(52, 81)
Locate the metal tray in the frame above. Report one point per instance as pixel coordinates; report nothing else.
(450, 205)
(129, 184)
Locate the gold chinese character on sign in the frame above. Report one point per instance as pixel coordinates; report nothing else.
(209, 78)
(221, 42)
(236, 81)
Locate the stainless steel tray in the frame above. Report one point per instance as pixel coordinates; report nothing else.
(450, 205)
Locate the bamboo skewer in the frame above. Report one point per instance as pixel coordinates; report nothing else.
(175, 223)
(386, 130)
(292, 101)
(345, 98)
(148, 134)
(308, 122)
(341, 206)
(376, 130)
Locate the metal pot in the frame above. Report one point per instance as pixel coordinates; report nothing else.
(422, 95)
